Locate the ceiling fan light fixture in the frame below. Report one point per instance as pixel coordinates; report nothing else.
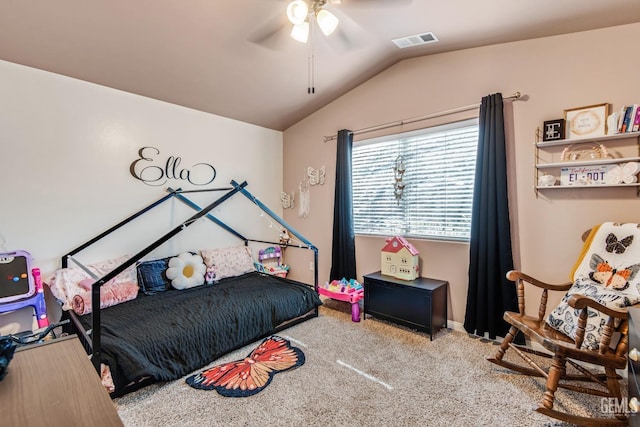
(300, 32)
(327, 21)
(297, 11)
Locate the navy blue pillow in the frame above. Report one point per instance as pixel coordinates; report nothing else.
(152, 276)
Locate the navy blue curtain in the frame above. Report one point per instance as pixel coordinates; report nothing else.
(490, 294)
(343, 250)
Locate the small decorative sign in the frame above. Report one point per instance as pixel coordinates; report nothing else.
(584, 175)
(553, 130)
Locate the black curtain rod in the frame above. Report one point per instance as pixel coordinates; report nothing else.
(513, 97)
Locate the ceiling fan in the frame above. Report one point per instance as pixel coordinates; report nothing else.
(303, 17)
(300, 18)
(300, 13)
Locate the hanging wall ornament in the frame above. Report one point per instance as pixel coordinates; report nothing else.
(287, 200)
(316, 176)
(398, 173)
(304, 199)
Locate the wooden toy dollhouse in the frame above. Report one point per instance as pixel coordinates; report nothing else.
(400, 259)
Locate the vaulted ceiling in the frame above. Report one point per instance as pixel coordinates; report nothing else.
(234, 58)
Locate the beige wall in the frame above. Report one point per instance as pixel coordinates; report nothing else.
(554, 74)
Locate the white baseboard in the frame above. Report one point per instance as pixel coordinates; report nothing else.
(456, 326)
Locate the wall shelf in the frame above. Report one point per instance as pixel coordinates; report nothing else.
(554, 167)
(574, 187)
(612, 137)
(588, 162)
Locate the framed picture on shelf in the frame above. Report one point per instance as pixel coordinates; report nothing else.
(553, 130)
(586, 122)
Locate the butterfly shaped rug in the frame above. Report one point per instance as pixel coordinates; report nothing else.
(252, 374)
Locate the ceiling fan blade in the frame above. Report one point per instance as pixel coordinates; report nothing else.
(274, 35)
(348, 36)
(343, 41)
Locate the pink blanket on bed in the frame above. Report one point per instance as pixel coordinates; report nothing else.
(110, 294)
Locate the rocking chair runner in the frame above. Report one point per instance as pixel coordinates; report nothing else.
(611, 354)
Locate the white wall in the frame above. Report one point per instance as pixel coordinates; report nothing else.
(66, 147)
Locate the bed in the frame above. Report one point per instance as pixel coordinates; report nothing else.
(157, 333)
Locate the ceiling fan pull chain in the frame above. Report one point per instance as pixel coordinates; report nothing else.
(313, 77)
(311, 87)
(309, 74)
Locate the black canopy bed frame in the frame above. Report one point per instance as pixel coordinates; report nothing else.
(90, 327)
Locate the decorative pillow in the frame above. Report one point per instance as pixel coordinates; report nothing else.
(152, 276)
(64, 283)
(565, 318)
(606, 271)
(186, 271)
(228, 262)
(110, 294)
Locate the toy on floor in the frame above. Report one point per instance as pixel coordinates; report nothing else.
(345, 290)
(21, 285)
(266, 264)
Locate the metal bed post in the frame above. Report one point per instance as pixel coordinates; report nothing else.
(95, 290)
(191, 204)
(272, 214)
(92, 337)
(115, 227)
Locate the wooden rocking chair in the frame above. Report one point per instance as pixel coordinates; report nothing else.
(563, 349)
(610, 355)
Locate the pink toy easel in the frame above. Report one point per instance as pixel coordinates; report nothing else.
(21, 285)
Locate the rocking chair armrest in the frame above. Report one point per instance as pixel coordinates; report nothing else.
(516, 275)
(582, 301)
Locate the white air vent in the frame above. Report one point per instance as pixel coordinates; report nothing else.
(415, 40)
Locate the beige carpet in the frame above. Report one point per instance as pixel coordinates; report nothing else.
(363, 374)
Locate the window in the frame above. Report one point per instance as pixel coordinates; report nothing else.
(439, 174)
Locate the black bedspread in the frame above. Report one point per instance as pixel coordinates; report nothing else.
(172, 333)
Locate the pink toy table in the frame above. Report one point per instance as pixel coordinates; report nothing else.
(350, 297)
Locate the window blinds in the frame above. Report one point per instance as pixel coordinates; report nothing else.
(439, 177)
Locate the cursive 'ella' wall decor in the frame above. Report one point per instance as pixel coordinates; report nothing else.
(152, 170)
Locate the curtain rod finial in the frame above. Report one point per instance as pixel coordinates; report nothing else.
(328, 138)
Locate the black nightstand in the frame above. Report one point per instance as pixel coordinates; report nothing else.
(420, 304)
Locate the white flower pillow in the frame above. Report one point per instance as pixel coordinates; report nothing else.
(227, 262)
(186, 271)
